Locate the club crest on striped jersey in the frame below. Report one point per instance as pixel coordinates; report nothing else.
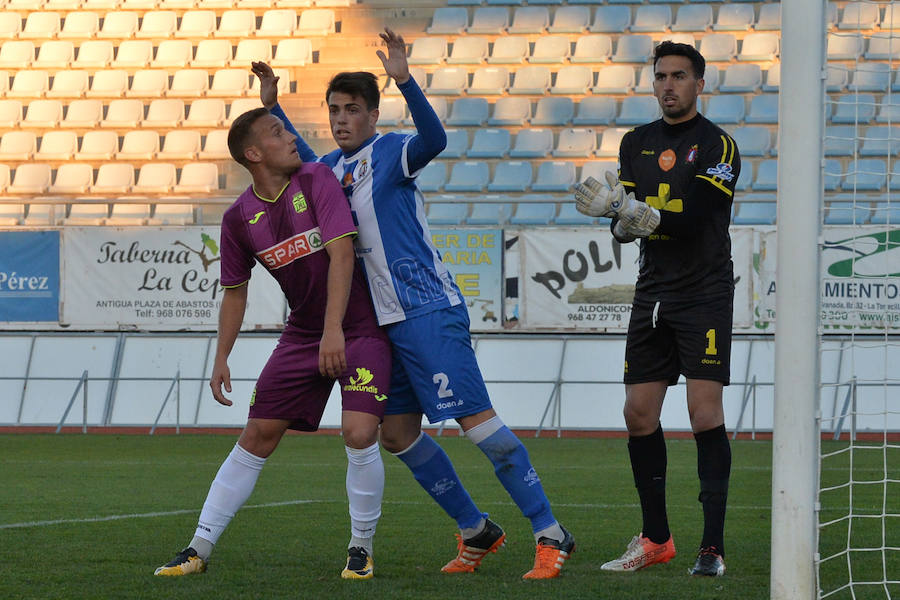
(692, 155)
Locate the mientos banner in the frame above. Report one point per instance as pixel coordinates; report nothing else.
(154, 278)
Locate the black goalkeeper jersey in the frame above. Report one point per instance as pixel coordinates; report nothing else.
(688, 171)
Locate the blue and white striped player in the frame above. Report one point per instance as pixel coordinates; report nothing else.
(422, 310)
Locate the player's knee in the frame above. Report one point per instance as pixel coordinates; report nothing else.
(639, 422)
(359, 437)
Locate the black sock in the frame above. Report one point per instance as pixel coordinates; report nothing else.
(714, 468)
(648, 464)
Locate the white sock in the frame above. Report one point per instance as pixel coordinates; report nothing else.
(229, 490)
(365, 489)
(554, 532)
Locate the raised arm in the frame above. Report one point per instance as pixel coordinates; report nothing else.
(268, 94)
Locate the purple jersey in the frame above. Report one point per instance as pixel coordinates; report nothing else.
(287, 236)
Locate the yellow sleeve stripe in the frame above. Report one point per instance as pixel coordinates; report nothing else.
(631, 183)
(237, 285)
(351, 233)
(727, 149)
(716, 182)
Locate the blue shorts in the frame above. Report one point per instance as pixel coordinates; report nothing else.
(434, 368)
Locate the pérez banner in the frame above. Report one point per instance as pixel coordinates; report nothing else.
(29, 276)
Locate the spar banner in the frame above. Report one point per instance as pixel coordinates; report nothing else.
(154, 278)
(29, 276)
(475, 260)
(860, 278)
(575, 279)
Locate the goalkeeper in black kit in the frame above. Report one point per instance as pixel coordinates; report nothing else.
(674, 193)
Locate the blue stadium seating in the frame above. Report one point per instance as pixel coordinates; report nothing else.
(833, 173)
(885, 212)
(447, 213)
(763, 109)
(752, 141)
(766, 176)
(865, 174)
(755, 213)
(637, 110)
(553, 111)
(489, 143)
(511, 176)
(468, 112)
(569, 215)
(609, 19)
(840, 140)
(859, 108)
(725, 109)
(468, 176)
(532, 143)
(693, 17)
(432, 177)
(554, 176)
(457, 143)
(847, 213)
(533, 213)
(880, 140)
(490, 213)
(510, 110)
(635, 48)
(595, 110)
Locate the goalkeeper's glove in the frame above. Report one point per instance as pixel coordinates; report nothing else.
(637, 218)
(621, 235)
(594, 199)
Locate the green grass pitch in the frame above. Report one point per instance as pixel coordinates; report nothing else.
(92, 516)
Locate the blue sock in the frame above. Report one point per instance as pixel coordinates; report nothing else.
(514, 470)
(432, 468)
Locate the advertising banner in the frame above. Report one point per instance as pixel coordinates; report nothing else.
(154, 278)
(29, 276)
(475, 259)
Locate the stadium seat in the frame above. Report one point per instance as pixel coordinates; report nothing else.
(212, 54)
(570, 19)
(638, 110)
(43, 114)
(760, 46)
(763, 109)
(836, 78)
(428, 51)
(40, 25)
(28, 83)
(509, 50)
(94, 54)
(734, 17)
(573, 80)
(468, 112)
(123, 114)
(859, 15)
(489, 213)
(881, 140)
(569, 216)
(645, 79)
(198, 178)
(576, 143)
(416, 72)
(164, 113)
(491, 20)
(57, 145)
(87, 214)
(553, 111)
(292, 52)
(755, 213)
(316, 22)
(174, 214)
(511, 176)
(448, 20)
(694, 17)
(84, 114)
(133, 54)
(18, 145)
(180, 144)
(10, 25)
(391, 112)
(745, 179)
(432, 177)
(610, 140)
(109, 83)
(54, 54)
(865, 174)
(752, 141)
(766, 176)
(840, 140)
(450, 81)
(510, 110)
(128, 214)
(531, 80)
(489, 81)
(725, 109)
(172, 54)
(533, 213)
(595, 110)
(858, 108)
(227, 83)
(489, 143)
(468, 176)
(554, 176)
(98, 145)
(149, 83)
(889, 110)
(550, 49)
(215, 146)
(43, 214)
(871, 77)
(833, 173)
(844, 46)
(884, 213)
(118, 25)
(155, 178)
(11, 214)
(277, 22)
(30, 179)
(471, 50)
(610, 19)
(532, 143)
(634, 48)
(769, 18)
(197, 24)
(530, 19)
(718, 47)
(157, 24)
(248, 51)
(457, 143)
(80, 25)
(883, 46)
(592, 48)
(447, 213)
(438, 104)
(652, 18)
(891, 20)
(742, 78)
(237, 24)
(847, 213)
(773, 78)
(614, 79)
(10, 113)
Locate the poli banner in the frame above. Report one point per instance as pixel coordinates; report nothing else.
(29, 276)
(579, 278)
(474, 258)
(155, 278)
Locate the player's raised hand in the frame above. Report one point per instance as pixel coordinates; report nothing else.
(268, 83)
(332, 358)
(594, 199)
(221, 375)
(395, 63)
(638, 218)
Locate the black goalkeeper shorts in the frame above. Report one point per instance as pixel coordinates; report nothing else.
(682, 337)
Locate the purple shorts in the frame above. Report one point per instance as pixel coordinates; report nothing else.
(290, 386)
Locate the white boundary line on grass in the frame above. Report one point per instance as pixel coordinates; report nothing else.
(169, 513)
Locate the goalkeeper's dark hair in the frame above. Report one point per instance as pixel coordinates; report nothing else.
(670, 48)
(239, 134)
(361, 84)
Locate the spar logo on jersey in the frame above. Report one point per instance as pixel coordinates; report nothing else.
(299, 202)
(722, 171)
(286, 252)
(360, 383)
